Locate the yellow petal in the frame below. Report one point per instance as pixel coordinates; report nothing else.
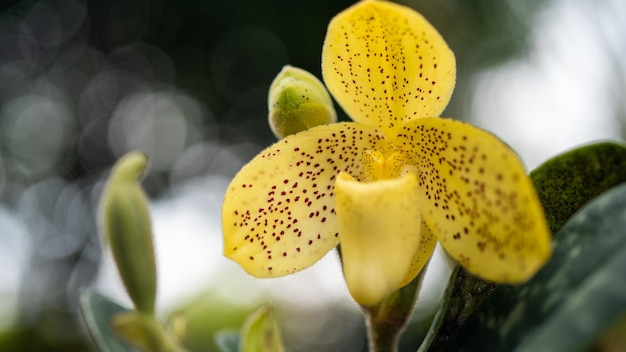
(386, 65)
(379, 227)
(278, 214)
(477, 199)
(425, 250)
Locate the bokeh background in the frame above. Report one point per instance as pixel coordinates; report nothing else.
(83, 82)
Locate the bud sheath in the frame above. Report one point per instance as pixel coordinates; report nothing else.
(125, 225)
(297, 101)
(261, 332)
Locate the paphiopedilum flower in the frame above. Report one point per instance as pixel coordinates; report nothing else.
(393, 182)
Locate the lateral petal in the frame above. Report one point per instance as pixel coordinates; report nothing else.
(278, 215)
(477, 199)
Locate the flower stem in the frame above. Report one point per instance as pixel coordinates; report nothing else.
(386, 321)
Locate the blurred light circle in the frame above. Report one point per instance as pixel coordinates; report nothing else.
(57, 217)
(93, 146)
(42, 25)
(155, 123)
(40, 34)
(73, 214)
(45, 86)
(103, 93)
(71, 14)
(37, 202)
(3, 177)
(69, 82)
(194, 161)
(37, 132)
(212, 158)
(78, 56)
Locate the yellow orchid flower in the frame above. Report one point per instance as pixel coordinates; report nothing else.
(393, 182)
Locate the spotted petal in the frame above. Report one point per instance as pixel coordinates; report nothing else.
(379, 224)
(425, 250)
(386, 65)
(278, 215)
(477, 199)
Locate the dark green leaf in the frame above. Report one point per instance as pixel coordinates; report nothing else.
(465, 292)
(97, 312)
(567, 182)
(570, 303)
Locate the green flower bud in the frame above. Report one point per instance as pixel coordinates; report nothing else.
(261, 333)
(297, 101)
(125, 226)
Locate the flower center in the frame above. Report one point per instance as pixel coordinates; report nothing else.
(377, 166)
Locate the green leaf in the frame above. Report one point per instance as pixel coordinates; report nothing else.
(465, 292)
(572, 301)
(614, 339)
(227, 341)
(564, 184)
(567, 182)
(98, 312)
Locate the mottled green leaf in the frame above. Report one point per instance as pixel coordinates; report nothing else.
(572, 301)
(567, 182)
(97, 312)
